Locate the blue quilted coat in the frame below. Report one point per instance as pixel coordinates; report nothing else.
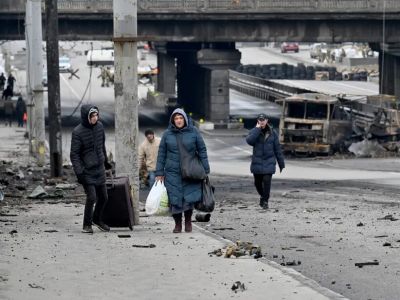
(168, 161)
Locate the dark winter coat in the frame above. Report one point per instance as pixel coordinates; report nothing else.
(168, 161)
(20, 107)
(88, 151)
(266, 151)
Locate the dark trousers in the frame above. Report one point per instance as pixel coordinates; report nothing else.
(94, 194)
(263, 185)
(20, 119)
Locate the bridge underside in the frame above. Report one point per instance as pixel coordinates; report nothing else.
(189, 28)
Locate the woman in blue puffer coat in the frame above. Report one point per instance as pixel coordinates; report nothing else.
(182, 194)
(266, 152)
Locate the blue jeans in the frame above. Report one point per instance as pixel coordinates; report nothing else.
(152, 178)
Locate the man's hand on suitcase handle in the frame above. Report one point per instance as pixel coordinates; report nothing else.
(160, 178)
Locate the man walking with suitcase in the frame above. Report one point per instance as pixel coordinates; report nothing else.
(89, 160)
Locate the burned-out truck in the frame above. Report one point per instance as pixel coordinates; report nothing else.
(313, 123)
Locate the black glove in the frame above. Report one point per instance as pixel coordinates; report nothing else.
(81, 178)
(107, 165)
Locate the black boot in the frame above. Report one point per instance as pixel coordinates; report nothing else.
(188, 220)
(178, 223)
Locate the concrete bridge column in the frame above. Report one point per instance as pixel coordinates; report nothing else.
(215, 64)
(386, 73)
(166, 78)
(389, 67)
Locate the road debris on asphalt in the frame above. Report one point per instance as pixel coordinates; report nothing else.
(389, 218)
(144, 246)
(368, 263)
(239, 249)
(238, 286)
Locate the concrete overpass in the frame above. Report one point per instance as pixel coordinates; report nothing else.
(195, 38)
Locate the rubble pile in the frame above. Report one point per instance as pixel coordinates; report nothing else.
(20, 183)
(239, 249)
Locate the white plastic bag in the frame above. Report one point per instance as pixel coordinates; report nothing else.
(157, 200)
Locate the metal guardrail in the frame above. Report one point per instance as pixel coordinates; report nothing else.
(221, 6)
(261, 88)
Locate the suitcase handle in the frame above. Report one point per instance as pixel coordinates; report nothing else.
(109, 172)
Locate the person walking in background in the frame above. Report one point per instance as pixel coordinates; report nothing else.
(7, 93)
(266, 152)
(2, 82)
(148, 152)
(8, 111)
(182, 193)
(10, 82)
(20, 110)
(89, 160)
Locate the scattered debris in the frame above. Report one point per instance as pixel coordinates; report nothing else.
(35, 286)
(37, 193)
(124, 236)
(367, 148)
(291, 263)
(20, 175)
(238, 286)
(203, 217)
(360, 224)
(13, 232)
(144, 246)
(389, 218)
(380, 236)
(387, 244)
(1, 195)
(66, 186)
(51, 231)
(368, 263)
(224, 228)
(239, 249)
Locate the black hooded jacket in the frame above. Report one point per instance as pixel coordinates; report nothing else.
(88, 151)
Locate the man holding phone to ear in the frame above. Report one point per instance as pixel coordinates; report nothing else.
(266, 152)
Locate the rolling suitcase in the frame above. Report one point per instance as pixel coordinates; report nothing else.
(118, 211)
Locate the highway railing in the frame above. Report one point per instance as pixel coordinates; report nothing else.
(221, 6)
(261, 88)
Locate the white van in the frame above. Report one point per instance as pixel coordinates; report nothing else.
(102, 57)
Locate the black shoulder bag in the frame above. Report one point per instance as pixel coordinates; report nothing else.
(191, 166)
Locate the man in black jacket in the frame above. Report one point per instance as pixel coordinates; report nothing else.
(89, 160)
(266, 153)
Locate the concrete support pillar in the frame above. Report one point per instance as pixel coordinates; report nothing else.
(215, 64)
(386, 73)
(126, 96)
(166, 78)
(216, 94)
(396, 68)
(203, 81)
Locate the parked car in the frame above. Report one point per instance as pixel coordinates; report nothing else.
(316, 49)
(286, 47)
(64, 64)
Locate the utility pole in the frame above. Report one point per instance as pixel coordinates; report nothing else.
(55, 138)
(36, 80)
(126, 95)
(29, 98)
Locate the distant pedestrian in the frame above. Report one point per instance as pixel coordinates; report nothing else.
(20, 110)
(8, 111)
(266, 152)
(10, 82)
(182, 193)
(148, 152)
(7, 93)
(2, 82)
(89, 160)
